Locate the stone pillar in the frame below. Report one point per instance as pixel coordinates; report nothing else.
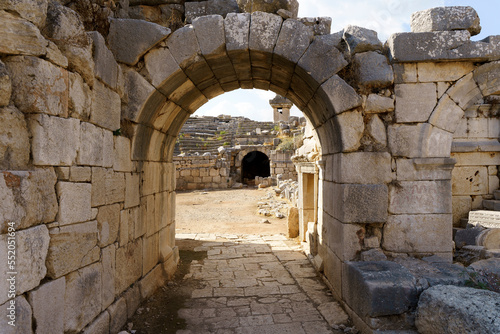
(281, 108)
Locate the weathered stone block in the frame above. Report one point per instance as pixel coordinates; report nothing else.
(403, 234)
(446, 19)
(320, 25)
(72, 247)
(360, 203)
(14, 139)
(92, 145)
(82, 298)
(152, 281)
(446, 71)
(80, 174)
(132, 190)
(108, 187)
(360, 39)
(381, 288)
(55, 140)
(80, 98)
(378, 104)
(5, 85)
(31, 43)
(150, 253)
(128, 265)
(74, 202)
(251, 6)
(106, 107)
(133, 297)
(447, 308)
(362, 167)
(33, 11)
(376, 129)
(434, 142)
(38, 86)
(23, 317)
(424, 169)
(352, 125)
(405, 73)
(372, 70)
(447, 114)
(99, 326)
(464, 91)
(117, 315)
(108, 223)
(470, 180)
(486, 77)
(49, 319)
(137, 91)
(342, 96)
(55, 56)
(420, 197)
(105, 67)
(345, 240)
(31, 252)
(293, 40)
(415, 102)
(461, 205)
(130, 39)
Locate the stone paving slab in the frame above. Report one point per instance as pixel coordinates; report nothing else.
(252, 284)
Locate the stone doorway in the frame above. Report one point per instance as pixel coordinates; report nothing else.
(254, 164)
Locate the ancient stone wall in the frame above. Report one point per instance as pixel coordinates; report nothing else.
(203, 172)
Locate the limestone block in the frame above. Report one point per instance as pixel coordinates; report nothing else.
(487, 76)
(379, 104)
(415, 102)
(403, 233)
(251, 6)
(148, 214)
(20, 36)
(380, 288)
(55, 56)
(91, 152)
(446, 19)
(106, 107)
(320, 25)
(445, 71)
(108, 223)
(194, 10)
(99, 326)
(449, 308)
(105, 67)
(476, 158)
(372, 70)
(49, 319)
(152, 281)
(166, 249)
(108, 275)
(80, 174)
(461, 205)
(114, 185)
(74, 202)
(345, 240)
(415, 170)
(14, 139)
(66, 30)
(150, 253)
(137, 90)
(360, 203)
(128, 265)
(360, 39)
(121, 154)
(420, 197)
(352, 127)
(405, 72)
(133, 297)
(82, 298)
(72, 247)
(210, 34)
(5, 85)
(55, 140)
(342, 96)
(376, 129)
(293, 40)
(80, 98)
(33, 11)
(322, 59)
(434, 143)
(470, 180)
(31, 252)
(447, 114)
(160, 65)
(464, 91)
(23, 317)
(132, 190)
(362, 167)
(38, 86)
(117, 315)
(130, 39)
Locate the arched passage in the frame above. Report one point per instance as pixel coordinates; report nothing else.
(255, 164)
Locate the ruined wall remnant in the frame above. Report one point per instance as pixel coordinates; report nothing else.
(89, 123)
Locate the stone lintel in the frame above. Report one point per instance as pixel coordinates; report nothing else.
(434, 163)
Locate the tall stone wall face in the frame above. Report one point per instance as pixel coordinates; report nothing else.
(93, 207)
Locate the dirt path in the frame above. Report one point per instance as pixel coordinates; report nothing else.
(225, 211)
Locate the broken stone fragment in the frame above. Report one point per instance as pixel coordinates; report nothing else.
(446, 19)
(250, 6)
(361, 39)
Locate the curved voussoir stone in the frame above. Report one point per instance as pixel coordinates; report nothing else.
(130, 39)
(237, 27)
(487, 78)
(210, 33)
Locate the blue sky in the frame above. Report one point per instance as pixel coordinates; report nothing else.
(384, 16)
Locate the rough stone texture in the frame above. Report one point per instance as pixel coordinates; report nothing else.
(360, 203)
(31, 252)
(320, 25)
(99, 326)
(55, 56)
(352, 126)
(372, 70)
(23, 317)
(137, 90)
(432, 142)
(106, 107)
(107, 187)
(14, 140)
(128, 265)
(80, 98)
(342, 96)
(488, 266)
(414, 102)
(447, 114)
(117, 315)
(293, 222)
(376, 129)
(486, 77)
(66, 30)
(108, 222)
(20, 36)
(49, 319)
(445, 71)
(74, 202)
(38, 86)
(446, 19)
(210, 7)
(420, 197)
(130, 39)
(96, 146)
(72, 247)
(34, 11)
(379, 104)
(27, 198)
(362, 167)
(82, 298)
(251, 6)
(360, 39)
(51, 144)
(105, 67)
(121, 154)
(470, 180)
(293, 40)
(451, 309)
(5, 85)
(108, 263)
(403, 233)
(368, 293)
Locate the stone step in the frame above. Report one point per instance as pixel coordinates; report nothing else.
(491, 204)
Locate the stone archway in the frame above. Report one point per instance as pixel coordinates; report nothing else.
(255, 164)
